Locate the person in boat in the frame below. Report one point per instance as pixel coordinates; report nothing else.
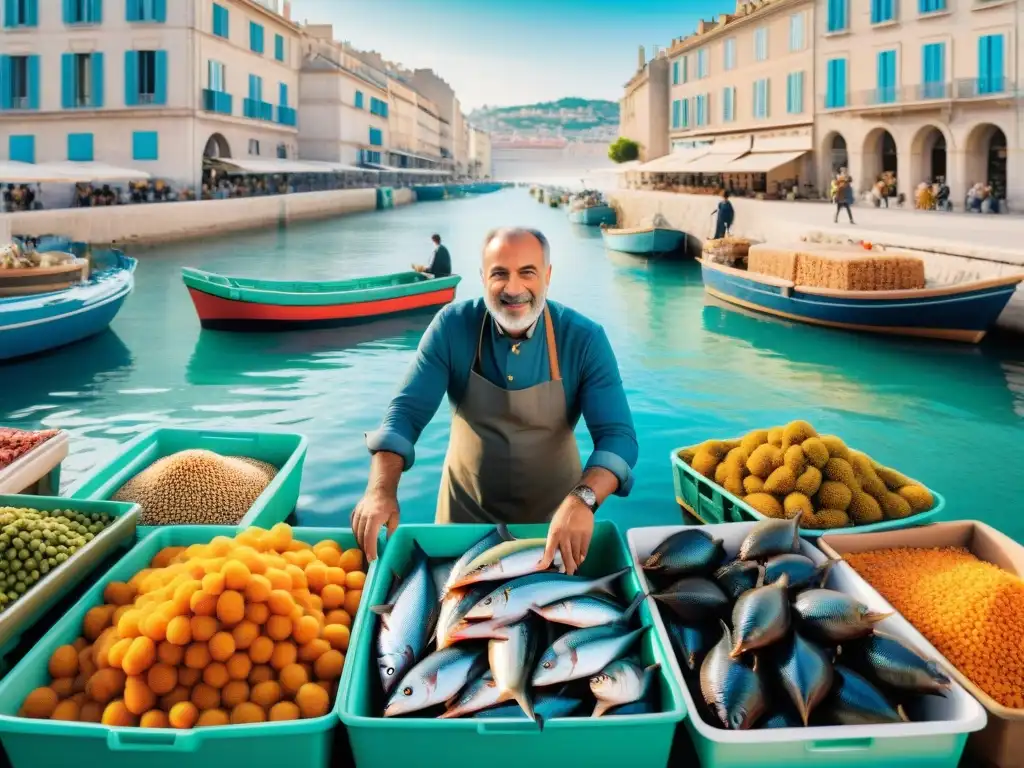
(519, 371)
(440, 264)
(726, 215)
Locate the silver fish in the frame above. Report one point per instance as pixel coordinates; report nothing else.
(771, 537)
(581, 611)
(800, 569)
(546, 707)
(511, 662)
(690, 643)
(492, 538)
(512, 601)
(505, 561)
(621, 682)
(435, 680)
(734, 692)
(492, 629)
(689, 552)
(854, 701)
(737, 577)
(805, 673)
(896, 664)
(454, 606)
(439, 572)
(760, 616)
(406, 622)
(479, 694)
(834, 617)
(694, 599)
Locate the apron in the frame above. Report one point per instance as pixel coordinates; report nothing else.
(512, 456)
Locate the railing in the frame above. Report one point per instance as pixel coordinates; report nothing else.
(257, 110)
(966, 88)
(287, 116)
(146, 98)
(980, 87)
(217, 101)
(19, 102)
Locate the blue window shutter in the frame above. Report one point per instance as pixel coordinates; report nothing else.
(69, 12)
(675, 73)
(31, 13)
(996, 63)
(67, 80)
(131, 78)
(6, 95)
(252, 87)
(279, 47)
(283, 95)
(145, 145)
(33, 82)
(131, 10)
(160, 11)
(8, 13)
(96, 11)
(160, 97)
(841, 67)
(80, 147)
(97, 79)
(22, 148)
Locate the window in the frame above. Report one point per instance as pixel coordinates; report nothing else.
(22, 148)
(883, 11)
(282, 94)
(677, 111)
(254, 146)
(145, 78)
(701, 110)
(702, 63)
(991, 64)
(221, 21)
(933, 71)
(886, 77)
(835, 84)
(282, 151)
(376, 137)
(675, 72)
(761, 99)
(81, 80)
(686, 69)
(146, 10)
(255, 87)
(838, 15)
(145, 145)
(761, 44)
(255, 37)
(685, 116)
(19, 82)
(796, 32)
(80, 147)
(279, 47)
(729, 54)
(216, 99)
(795, 93)
(21, 13)
(930, 6)
(254, 106)
(378, 107)
(359, 99)
(83, 11)
(729, 104)
(216, 75)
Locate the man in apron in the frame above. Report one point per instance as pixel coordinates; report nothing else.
(519, 371)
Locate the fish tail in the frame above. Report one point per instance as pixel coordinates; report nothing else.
(825, 571)
(604, 584)
(627, 614)
(804, 712)
(503, 531)
(873, 617)
(539, 720)
(448, 714)
(600, 708)
(902, 713)
(526, 704)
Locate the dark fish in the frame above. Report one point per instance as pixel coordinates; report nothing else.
(784, 719)
(546, 708)
(642, 707)
(854, 701)
(689, 552)
(833, 617)
(802, 571)
(737, 577)
(897, 665)
(760, 616)
(694, 599)
(734, 692)
(771, 537)
(689, 643)
(805, 673)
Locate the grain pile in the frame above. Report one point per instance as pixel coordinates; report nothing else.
(970, 610)
(731, 251)
(839, 267)
(197, 487)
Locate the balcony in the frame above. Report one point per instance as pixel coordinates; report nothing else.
(287, 116)
(257, 110)
(217, 101)
(921, 96)
(995, 86)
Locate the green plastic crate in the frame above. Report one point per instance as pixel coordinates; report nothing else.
(49, 744)
(641, 740)
(711, 504)
(46, 592)
(285, 450)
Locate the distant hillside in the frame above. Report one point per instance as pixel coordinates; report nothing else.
(588, 119)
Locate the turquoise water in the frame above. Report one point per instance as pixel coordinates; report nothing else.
(950, 416)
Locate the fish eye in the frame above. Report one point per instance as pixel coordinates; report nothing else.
(488, 601)
(546, 665)
(391, 671)
(407, 691)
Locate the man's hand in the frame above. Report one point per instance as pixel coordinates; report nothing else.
(375, 509)
(570, 533)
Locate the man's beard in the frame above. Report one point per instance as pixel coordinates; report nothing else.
(508, 321)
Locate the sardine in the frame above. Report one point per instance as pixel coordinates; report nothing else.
(737, 577)
(505, 561)
(491, 539)
(801, 570)
(898, 665)
(771, 537)
(834, 617)
(454, 606)
(784, 719)
(511, 662)
(854, 701)
(733, 691)
(581, 611)
(805, 673)
(760, 616)
(406, 622)
(694, 599)
(436, 679)
(546, 707)
(479, 694)
(512, 601)
(690, 643)
(492, 629)
(689, 552)
(621, 682)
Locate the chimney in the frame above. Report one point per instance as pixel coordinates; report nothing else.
(641, 59)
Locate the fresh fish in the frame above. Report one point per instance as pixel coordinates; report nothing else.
(454, 607)
(406, 622)
(642, 707)
(479, 694)
(694, 599)
(801, 570)
(737, 577)
(504, 561)
(492, 629)
(689, 643)
(689, 552)
(834, 617)
(734, 692)
(771, 537)
(895, 664)
(439, 572)
(581, 611)
(621, 682)
(493, 538)
(760, 616)
(512, 601)
(546, 707)
(435, 680)
(854, 701)
(805, 673)
(784, 719)
(511, 662)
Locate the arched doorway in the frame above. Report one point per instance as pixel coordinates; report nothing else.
(928, 156)
(986, 158)
(881, 159)
(217, 146)
(840, 158)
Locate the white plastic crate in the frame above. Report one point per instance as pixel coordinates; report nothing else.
(27, 470)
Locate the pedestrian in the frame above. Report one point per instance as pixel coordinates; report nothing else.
(726, 214)
(844, 195)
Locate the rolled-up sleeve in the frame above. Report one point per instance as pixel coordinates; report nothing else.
(419, 395)
(606, 412)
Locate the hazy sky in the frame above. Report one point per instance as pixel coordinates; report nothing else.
(514, 51)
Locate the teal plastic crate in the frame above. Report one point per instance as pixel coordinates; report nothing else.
(285, 450)
(711, 504)
(378, 742)
(46, 592)
(49, 744)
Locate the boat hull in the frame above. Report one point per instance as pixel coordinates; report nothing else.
(430, 192)
(647, 242)
(965, 314)
(594, 216)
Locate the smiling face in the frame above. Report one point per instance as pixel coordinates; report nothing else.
(516, 274)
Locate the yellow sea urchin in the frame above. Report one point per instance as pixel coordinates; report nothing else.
(895, 507)
(753, 484)
(766, 504)
(840, 471)
(919, 497)
(834, 495)
(809, 481)
(869, 481)
(780, 482)
(826, 519)
(687, 454)
(795, 503)
(795, 460)
(734, 481)
(737, 457)
(836, 448)
(864, 509)
(775, 436)
(796, 432)
(764, 460)
(815, 451)
(893, 480)
(721, 472)
(754, 439)
(705, 463)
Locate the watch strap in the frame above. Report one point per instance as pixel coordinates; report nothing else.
(586, 494)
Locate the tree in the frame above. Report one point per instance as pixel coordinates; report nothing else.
(623, 150)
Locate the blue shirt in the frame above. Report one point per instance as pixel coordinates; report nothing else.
(590, 377)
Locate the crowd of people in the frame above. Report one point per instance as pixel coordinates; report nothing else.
(931, 195)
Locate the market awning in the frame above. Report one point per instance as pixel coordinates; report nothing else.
(412, 155)
(92, 171)
(16, 172)
(411, 171)
(257, 166)
(675, 162)
(762, 162)
(719, 155)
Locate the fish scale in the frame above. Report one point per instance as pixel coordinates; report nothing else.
(435, 680)
(761, 616)
(511, 661)
(833, 616)
(586, 655)
(512, 601)
(801, 570)
(479, 694)
(733, 691)
(771, 537)
(453, 609)
(901, 667)
(504, 561)
(689, 551)
(490, 539)
(805, 673)
(854, 701)
(690, 643)
(694, 599)
(581, 611)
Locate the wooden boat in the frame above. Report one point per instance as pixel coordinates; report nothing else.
(243, 304)
(593, 216)
(963, 312)
(41, 322)
(644, 241)
(35, 280)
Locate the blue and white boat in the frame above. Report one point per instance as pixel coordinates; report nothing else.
(644, 241)
(44, 321)
(593, 215)
(959, 312)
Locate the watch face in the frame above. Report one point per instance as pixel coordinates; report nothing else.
(586, 495)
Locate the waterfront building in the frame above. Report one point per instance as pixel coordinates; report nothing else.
(453, 135)
(479, 165)
(429, 126)
(643, 109)
(148, 84)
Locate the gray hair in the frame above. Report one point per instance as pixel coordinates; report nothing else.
(511, 232)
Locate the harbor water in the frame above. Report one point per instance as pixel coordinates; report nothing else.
(948, 415)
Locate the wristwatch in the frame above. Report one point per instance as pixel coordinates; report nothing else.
(585, 494)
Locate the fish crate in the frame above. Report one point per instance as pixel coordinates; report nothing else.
(51, 588)
(936, 742)
(611, 741)
(711, 504)
(285, 450)
(38, 471)
(54, 744)
(1001, 742)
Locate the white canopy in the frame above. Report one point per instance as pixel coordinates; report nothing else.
(675, 162)
(761, 162)
(15, 172)
(91, 171)
(413, 171)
